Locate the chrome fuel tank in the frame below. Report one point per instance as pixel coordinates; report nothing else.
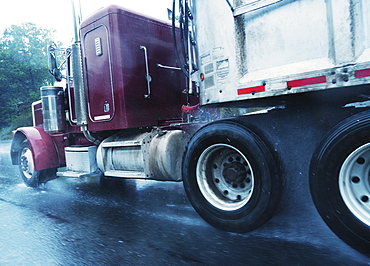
(150, 155)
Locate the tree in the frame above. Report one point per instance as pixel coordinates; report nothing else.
(23, 70)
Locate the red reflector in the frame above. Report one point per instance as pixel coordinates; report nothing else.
(307, 81)
(362, 73)
(251, 90)
(190, 109)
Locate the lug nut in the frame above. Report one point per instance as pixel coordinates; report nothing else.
(365, 198)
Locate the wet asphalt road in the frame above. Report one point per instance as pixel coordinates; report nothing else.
(128, 222)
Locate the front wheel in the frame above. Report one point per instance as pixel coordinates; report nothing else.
(230, 177)
(30, 176)
(340, 181)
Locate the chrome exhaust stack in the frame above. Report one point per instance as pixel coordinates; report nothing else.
(80, 99)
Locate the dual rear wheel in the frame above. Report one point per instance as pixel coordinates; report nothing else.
(340, 180)
(231, 178)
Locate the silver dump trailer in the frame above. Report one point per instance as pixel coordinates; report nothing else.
(289, 82)
(272, 48)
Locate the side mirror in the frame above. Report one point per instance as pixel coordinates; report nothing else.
(52, 63)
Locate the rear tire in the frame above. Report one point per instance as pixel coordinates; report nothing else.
(340, 183)
(230, 177)
(26, 164)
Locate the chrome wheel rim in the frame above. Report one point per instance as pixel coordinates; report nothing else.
(354, 183)
(225, 177)
(26, 163)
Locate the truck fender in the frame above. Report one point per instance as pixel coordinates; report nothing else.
(42, 146)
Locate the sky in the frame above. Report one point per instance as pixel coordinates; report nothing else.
(57, 14)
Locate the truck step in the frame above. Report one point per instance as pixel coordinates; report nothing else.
(75, 174)
(71, 174)
(125, 174)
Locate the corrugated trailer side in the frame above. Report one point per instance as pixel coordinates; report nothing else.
(270, 48)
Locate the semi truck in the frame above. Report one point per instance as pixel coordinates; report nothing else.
(260, 108)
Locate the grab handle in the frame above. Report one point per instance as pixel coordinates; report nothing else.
(147, 75)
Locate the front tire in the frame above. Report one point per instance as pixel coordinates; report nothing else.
(340, 182)
(30, 176)
(230, 177)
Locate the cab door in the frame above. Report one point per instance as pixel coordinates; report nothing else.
(98, 74)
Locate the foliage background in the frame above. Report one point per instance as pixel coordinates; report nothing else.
(23, 70)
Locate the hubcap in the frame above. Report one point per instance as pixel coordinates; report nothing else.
(225, 177)
(354, 183)
(26, 163)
